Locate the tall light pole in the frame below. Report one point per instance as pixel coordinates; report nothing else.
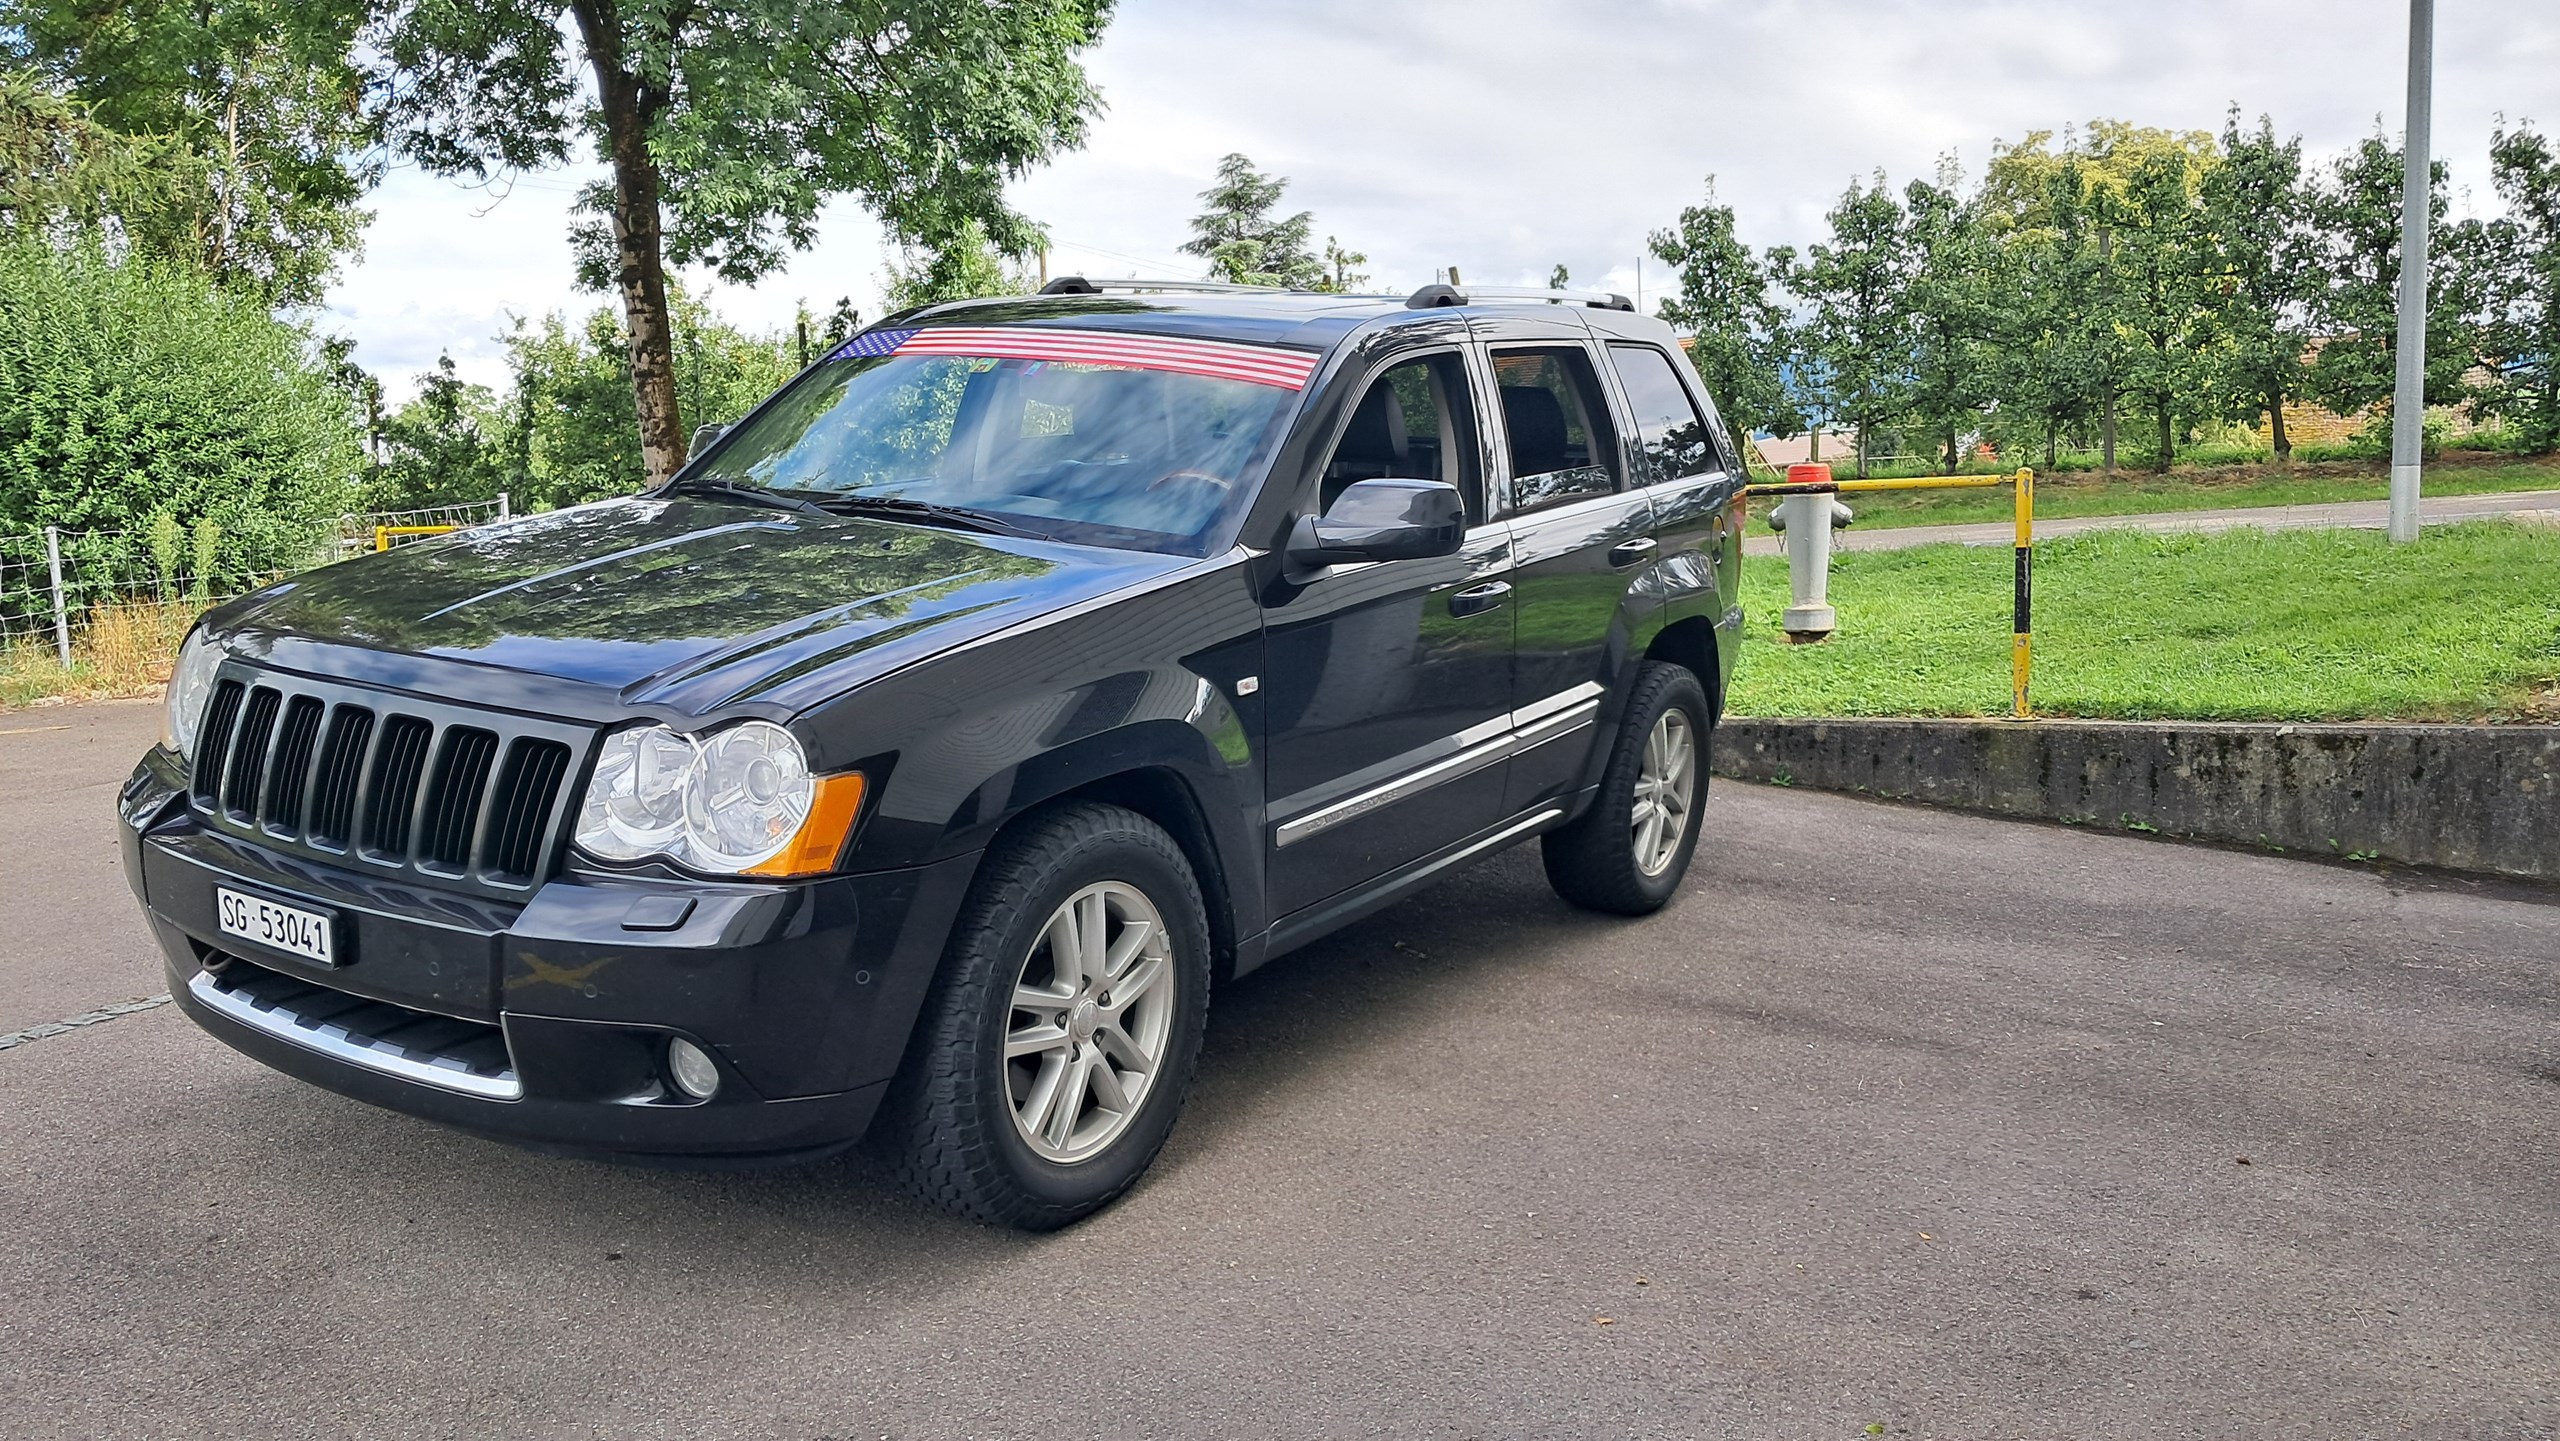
(2409, 395)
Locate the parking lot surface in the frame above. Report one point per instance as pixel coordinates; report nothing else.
(1897, 1118)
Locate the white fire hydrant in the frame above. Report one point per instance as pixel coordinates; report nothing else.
(1807, 520)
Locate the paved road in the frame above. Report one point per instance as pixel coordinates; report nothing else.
(1948, 1142)
(2356, 514)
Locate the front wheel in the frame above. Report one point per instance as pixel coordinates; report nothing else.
(1627, 853)
(1059, 1042)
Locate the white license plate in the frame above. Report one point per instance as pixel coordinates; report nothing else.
(286, 928)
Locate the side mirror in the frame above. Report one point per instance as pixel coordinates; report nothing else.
(704, 435)
(1381, 520)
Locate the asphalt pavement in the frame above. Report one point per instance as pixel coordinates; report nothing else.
(1897, 1119)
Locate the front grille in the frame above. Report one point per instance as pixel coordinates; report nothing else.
(464, 796)
(466, 1056)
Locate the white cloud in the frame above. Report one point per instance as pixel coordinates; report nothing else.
(1506, 136)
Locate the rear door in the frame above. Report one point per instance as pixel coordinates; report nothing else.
(1686, 459)
(1388, 685)
(1580, 535)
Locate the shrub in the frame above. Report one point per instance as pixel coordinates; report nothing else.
(133, 388)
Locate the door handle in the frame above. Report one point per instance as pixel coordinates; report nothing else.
(1477, 599)
(1630, 552)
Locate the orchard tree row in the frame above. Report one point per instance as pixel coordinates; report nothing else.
(2170, 282)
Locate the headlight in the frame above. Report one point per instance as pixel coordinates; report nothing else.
(189, 683)
(739, 801)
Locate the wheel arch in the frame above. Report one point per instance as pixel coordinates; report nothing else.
(1691, 642)
(1163, 795)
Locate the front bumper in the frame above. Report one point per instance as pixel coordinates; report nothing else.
(547, 1022)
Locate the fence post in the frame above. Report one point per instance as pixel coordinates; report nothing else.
(503, 512)
(61, 612)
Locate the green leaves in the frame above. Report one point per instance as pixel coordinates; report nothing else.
(1245, 244)
(1723, 300)
(139, 389)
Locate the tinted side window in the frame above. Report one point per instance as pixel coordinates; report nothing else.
(1672, 434)
(1413, 423)
(1556, 426)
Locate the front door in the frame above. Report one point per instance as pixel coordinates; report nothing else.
(1389, 684)
(1581, 535)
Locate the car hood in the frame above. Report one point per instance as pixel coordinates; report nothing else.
(687, 604)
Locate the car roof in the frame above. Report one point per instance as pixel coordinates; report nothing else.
(1308, 319)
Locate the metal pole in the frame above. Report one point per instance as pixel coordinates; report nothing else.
(504, 512)
(2409, 394)
(2021, 617)
(61, 612)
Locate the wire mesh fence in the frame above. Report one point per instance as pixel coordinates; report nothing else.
(115, 603)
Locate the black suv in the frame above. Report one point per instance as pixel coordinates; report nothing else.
(917, 760)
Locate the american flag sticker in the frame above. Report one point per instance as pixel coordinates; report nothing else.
(1217, 359)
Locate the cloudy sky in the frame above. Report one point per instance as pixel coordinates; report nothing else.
(1506, 136)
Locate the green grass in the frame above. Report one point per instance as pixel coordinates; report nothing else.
(2464, 624)
(2137, 493)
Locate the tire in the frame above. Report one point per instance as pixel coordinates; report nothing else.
(952, 1127)
(1595, 861)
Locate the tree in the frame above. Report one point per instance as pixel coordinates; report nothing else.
(442, 448)
(2054, 345)
(964, 267)
(1343, 274)
(1559, 278)
(2356, 215)
(2260, 274)
(1856, 342)
(726, 124)
(253, 109)
(1722, 300)
(2520, 334)
(1241, 239)
(1952, 314)
(2156, 290)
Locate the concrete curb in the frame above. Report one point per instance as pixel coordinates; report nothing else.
(2469, 798)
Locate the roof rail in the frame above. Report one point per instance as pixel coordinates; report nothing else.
(1078, 285)
(1431, 296)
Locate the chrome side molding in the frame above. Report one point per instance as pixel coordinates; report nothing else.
(1553, 718)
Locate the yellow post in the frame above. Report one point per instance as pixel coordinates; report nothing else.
(2021, 624)
(381, 539)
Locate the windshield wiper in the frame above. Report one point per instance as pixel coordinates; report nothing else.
(927, 510)
(748, 495)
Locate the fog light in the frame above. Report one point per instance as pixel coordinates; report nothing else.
(692, 1067)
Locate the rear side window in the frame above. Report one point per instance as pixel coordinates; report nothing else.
(1670, 433)
(1555, 425)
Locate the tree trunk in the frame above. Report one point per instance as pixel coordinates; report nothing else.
(2107, 436)
(2052, 439)
(640, 267)
(2275, 425)
(2167, 439)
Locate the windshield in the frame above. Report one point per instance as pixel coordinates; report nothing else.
(1135, 441)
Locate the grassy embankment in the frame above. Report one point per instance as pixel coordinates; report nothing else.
(2243, 625)
(2083, 493)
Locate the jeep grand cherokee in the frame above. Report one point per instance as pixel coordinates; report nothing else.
(916, 762)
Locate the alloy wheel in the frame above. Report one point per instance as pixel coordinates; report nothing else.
(1092, 1011)
(1665, 782)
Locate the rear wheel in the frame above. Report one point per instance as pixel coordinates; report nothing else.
(1059, 1042)
(1628, 852)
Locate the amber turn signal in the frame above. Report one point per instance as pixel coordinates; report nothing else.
(820, 841)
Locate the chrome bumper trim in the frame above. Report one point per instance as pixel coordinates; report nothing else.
(338, 1043)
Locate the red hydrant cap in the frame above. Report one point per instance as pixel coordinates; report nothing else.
(1816, 474)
